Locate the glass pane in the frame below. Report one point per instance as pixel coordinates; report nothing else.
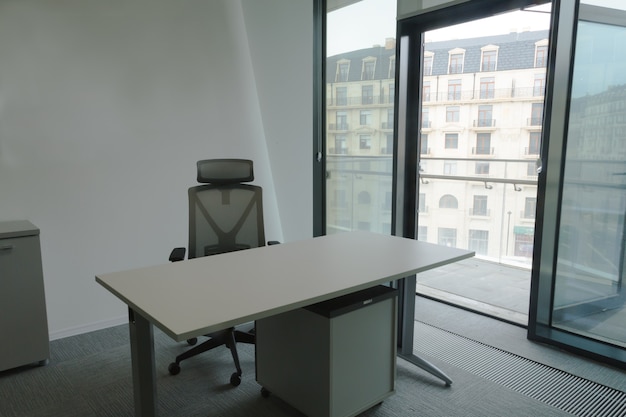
(359, 112)
(480, 132)
(588, 296)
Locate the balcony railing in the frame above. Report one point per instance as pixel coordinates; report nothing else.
(338, 126)
(483, 150)
(485, 123)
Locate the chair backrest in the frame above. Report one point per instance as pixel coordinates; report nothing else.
(225, 215)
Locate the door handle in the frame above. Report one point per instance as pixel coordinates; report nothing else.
(6, 247)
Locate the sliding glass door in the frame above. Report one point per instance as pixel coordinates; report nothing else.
(578, 280)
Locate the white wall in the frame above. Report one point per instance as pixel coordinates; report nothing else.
(105, 106)
(408, 8)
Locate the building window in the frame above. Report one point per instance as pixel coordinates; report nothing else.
(364, 197)
(426, 91)
(488, 60)
(534, 143)
(421, 201)
(485, 116)
(368, 69)
(452, 141)
(367, 94)
(483, 144)
(447, 237)
(482, 168)
(541, 54)
(452, 114)
(449, 168)
(342, 120)
(343, 68)
(480, 205)
(456, 63)
(531, 169)
(365, 118)
(536, 114)
(422, 233)
(487, 87)
(530, 206)
(388, 150)
(392, 67)
(392, 93)
(428, 63)
(342, 96)
(340, 145)
(478, 241)
(425, 118)
(424, 144)
(365, 141)
(454, 89)
(448, 201)
(539, 86)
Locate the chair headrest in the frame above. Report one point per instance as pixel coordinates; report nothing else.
(225, 171)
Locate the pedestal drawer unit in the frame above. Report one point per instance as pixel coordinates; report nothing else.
(23, 319)
(332, 359)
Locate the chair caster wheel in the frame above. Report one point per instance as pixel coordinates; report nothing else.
(192, 341)
(235, 379)
(174, 368)
(265, 393)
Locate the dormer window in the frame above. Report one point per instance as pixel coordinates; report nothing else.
(489, 58)
(343, 68)
(369, 65)
(541, 53)
(455, 62)
(428, 62)
(392, 67)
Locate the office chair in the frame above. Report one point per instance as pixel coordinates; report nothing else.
(225, 215)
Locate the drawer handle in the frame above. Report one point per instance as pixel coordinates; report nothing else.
(6, 247)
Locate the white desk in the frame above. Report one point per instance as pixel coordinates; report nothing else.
(195, 297)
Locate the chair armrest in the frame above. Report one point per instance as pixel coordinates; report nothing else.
(178, 254)
(273, 242)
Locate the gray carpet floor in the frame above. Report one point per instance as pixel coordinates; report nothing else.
(89, 375)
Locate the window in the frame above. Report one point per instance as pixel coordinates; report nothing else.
(392, 67)
(342, 120)
(536, 114)
(452, 141)
(540, 85)
(343, 68)
(422, 233)
(426, 91)
(483, 144)
(369, 65)
(480, 205)
(530, 206)
(488, 62)
(478, 241)
(392, 93)
(448, 201)
(342, 96)
(364, 197)
(449, 168)
(389, 123)
(541, 54)
(365, 141)
(424, 144)
(534, 144)
(425, 118)
(447, 237)
(482, 168)
(367, 94)
(388, 150)
(340, 145)
(485, 114)
(454, 89)
(365, 118)
(487, 87)
(428, 63)
(456, 63)
(531, 169)
(452, 114)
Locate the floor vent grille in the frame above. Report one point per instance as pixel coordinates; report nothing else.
(567, 392)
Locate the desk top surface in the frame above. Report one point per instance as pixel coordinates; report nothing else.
(198, 296)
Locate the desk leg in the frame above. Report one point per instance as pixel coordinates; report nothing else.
(406, 287)
(142, 356)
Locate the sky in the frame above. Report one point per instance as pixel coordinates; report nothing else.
(370, 22)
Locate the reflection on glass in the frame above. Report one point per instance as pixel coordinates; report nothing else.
(590, 265)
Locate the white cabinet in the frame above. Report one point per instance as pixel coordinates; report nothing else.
(332, 359)
(23, 319)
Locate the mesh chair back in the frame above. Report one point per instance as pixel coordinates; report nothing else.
(226, 216)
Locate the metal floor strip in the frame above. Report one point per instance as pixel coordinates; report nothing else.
(570, 393)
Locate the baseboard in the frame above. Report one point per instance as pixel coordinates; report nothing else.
(91, 327)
